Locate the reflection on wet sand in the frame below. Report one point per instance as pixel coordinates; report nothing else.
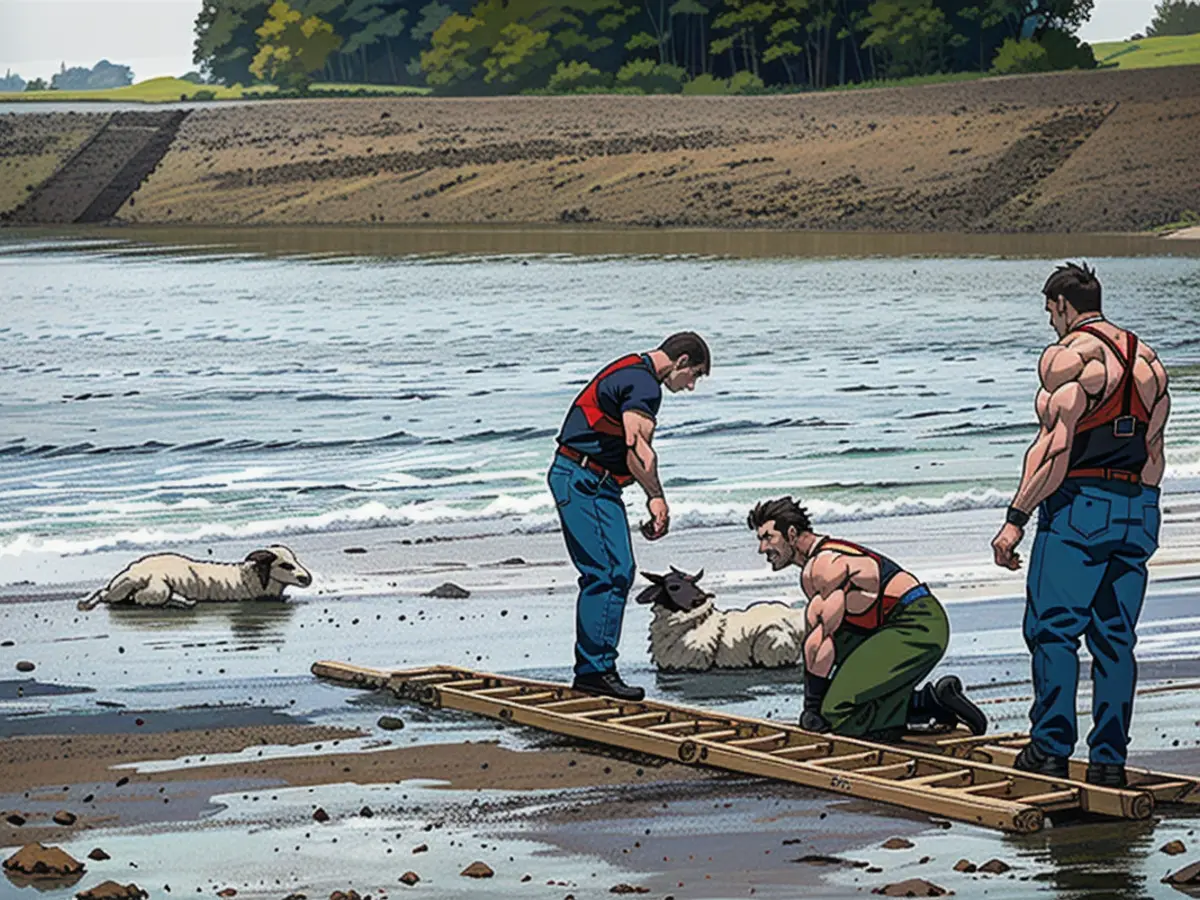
(601, 241)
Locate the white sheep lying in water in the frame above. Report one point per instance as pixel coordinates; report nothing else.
(689, 633)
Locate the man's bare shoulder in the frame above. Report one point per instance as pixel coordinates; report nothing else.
(1062, 363)
(828, 570)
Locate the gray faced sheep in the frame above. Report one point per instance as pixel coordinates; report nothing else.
(689, 633)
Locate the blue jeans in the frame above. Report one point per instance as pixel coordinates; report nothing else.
(1087, 577)
(596, 530)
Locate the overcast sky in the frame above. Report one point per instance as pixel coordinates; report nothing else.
(154, 37)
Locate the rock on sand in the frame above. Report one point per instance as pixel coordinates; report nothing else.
(914, 887)
(51, 862)
(478, 869)
(110, 890)
(449, 591)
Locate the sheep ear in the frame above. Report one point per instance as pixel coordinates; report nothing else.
(650, 594)
(263, 560)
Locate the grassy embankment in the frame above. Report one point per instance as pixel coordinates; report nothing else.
(1150, 53)
(172, 90)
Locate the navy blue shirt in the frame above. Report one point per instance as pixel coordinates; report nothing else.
(631, 388)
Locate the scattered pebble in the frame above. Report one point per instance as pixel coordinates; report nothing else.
(25, 666)
(366, 812)
(965, 865)
(98, 855)
(420, 848)
(1174, 848)
(110, 890)
(390, 723)
(410, 878)
(897, 843)
(995, 867)
(62, 817)
(320, 815)
(227, 892)
(628, 889)
(914, 887)
(354, 550)
(478, 869)
(449, 591)
(15, 819)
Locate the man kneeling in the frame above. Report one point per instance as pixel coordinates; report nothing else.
(874, 632)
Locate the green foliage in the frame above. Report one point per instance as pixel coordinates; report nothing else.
(1174, 17)
(1053, 51)
(1017, 57)
(204, 95)
(574, 77)
(36, 84)
(509, 46)
(1065, 51)
(651, 77)
(292, 47)
(910, 34)
(706, 85)
(746, 83)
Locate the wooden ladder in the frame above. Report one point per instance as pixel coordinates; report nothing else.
(961, 781)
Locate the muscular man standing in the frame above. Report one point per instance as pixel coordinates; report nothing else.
(1092, 472)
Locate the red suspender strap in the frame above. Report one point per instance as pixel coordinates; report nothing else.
(589, 400)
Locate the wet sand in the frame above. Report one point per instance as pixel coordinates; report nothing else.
(226, 739)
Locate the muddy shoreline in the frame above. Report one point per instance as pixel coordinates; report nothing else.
(1062, 153)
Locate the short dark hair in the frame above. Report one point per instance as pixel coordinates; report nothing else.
(785, 513)
(1078, 284)
(690, 343)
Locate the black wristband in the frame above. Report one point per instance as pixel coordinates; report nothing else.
(1016, 517)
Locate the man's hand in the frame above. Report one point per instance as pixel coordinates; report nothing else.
(1004, 546)
(660, 519)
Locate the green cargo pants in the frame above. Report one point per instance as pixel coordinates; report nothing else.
(877, 672)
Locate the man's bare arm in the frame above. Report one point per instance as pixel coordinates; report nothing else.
(826, 610)
(1060, 404)
(1156, 460)
(639, 452)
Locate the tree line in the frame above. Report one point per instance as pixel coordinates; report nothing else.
(511, 46)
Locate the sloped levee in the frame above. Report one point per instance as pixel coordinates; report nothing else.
(93, 184)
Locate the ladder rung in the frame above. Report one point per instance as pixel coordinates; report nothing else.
(463, 683)
(640, 717)
(1050, 797)
(803, 751)
(1003, 785)
(848, 758)
(750, 742)
(939, 776)
(540, 695)
(596, 713)
(560, 705)
(497, 691)
(681, 725)
(891, 770)
(717, 735)
(432, 676)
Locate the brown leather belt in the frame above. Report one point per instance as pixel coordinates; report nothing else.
(592, 466)
(1110, 474)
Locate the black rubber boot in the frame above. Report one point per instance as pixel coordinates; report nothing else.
(1031, 759)
(815, 688)
(1106, 775)
(924, 708)
(607, 684)
(952, 699)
